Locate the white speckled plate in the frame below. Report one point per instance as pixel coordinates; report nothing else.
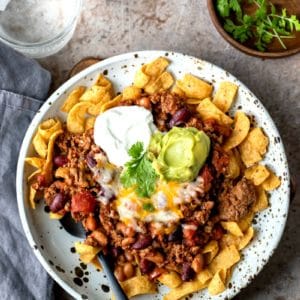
(52, 245)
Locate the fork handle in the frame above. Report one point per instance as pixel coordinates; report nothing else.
(108, 270)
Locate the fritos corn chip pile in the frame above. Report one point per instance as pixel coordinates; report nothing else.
(214, 211)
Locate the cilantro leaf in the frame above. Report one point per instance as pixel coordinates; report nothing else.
(139, 172)
(264, 25)
(235, 6)
(239, 32)
(136, 150)
(261, 12)
(294, 23)
(148, 207)
(223, 8)
(128, 179)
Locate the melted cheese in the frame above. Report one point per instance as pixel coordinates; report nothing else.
(130, 206)
(107, 175)
(165, 201)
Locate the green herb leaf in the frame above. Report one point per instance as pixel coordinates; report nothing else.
(223, 8)
(294, 23)
(273, 9)
(136, 150)
(239, 32)
(148, 207)
(261, 12)
(235, 6)
(139, 172)
(264, 25)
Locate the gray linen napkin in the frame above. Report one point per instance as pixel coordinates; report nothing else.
(23, 87)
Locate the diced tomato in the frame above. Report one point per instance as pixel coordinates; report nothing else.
(190, 236)
(189, 233)
(83, 202)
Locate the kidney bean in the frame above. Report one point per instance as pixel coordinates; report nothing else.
(146, 266)
(187, 272)
(143, 242)
(175, 236)
(91, 162)
(60, 160)
(115, 251)
(58, 202)
(180, 117)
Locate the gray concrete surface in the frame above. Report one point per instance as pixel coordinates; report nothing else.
(112, 27)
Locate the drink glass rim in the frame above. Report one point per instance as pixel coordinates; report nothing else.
(30, 45)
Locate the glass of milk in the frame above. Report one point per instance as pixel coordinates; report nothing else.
(38, 28)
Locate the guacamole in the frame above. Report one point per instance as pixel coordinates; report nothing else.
(179, 154)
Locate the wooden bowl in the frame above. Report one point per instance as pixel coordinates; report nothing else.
(274, 50)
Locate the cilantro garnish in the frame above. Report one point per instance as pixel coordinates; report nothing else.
(148, 207)
(264, 25)
(139, 172)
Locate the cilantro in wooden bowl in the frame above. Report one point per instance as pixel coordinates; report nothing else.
(261, 28)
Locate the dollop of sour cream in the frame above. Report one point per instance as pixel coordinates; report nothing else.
(117, 129)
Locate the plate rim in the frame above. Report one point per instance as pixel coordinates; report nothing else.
(56, 95)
